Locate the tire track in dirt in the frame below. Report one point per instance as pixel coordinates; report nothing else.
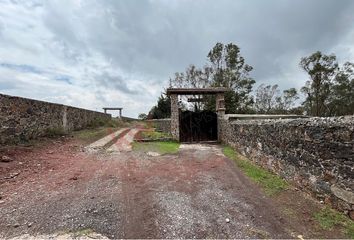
(204, 192)
(136, 192)
(131, 195)
(123, 143)
(67, 196)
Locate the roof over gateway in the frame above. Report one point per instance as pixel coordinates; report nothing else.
(195, 91)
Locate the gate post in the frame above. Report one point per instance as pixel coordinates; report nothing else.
(174, 117)
(220, 104)
(220, 110)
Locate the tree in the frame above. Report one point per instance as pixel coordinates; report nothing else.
(142, 116)
(162, 109)
(341, 99)
(266, 97)
(321, 69)
(270, 101)
(309, 98)
(226, 68)
(286, 102)
(193, 77)
(230, 71)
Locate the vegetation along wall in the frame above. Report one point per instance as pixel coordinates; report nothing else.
(162, 125)
(317, 154)
(22, 119)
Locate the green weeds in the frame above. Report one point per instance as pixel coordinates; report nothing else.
(159, 147)
(271, 183)
(329, 219)
(55, 132)
(154, 135)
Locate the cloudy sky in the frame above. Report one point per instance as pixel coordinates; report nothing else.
(96, 53)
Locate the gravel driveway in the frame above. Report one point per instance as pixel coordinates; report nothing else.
(197, 193)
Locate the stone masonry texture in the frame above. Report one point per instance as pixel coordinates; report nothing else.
(174, 117)
(316, 154)
(22, 119)
(162, 125)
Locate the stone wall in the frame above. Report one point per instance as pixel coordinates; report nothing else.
(163, 125)
(22, 119)
(317, 154)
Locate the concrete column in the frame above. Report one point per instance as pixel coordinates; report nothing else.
(120, 113)
(174, 117)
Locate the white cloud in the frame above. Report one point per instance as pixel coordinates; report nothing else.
(121, 53)
(55, 40)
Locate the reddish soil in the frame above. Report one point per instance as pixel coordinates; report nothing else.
(197, 193)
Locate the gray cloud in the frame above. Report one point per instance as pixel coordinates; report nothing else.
(159, 39)
(115, 82)
(131, 48)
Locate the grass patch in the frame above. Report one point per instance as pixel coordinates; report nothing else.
(98, 129)
(329, 219)
(154, 135)
(159, 147)
(91, 135)
(271, 183)
(82, 233)
(101, 122)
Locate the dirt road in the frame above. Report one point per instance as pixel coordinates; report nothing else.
(197, 193)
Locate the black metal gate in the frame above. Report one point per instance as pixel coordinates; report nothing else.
(198, 126)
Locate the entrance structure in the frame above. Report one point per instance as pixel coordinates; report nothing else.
(194, 127)
(112, 108)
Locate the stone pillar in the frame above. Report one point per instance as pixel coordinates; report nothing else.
(220, 110)
(65, 119)
(220, 104)
(174, 117)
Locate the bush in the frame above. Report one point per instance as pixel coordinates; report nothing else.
(54, 132)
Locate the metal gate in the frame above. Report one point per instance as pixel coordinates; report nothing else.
(198, 126)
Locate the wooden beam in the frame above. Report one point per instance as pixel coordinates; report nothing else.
(196, 91)
(196, 100)
(111, 108)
